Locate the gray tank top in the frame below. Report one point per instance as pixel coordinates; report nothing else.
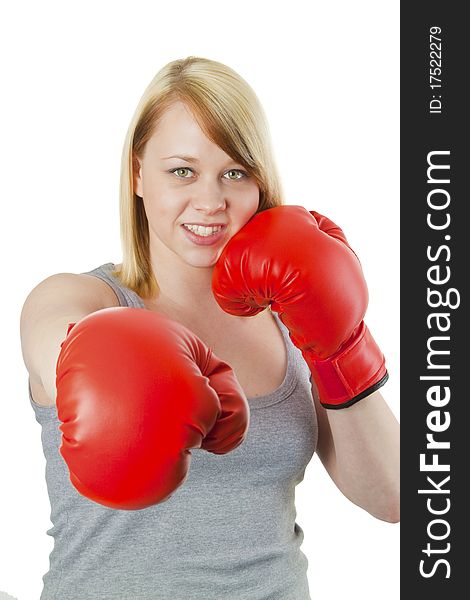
(228, 532)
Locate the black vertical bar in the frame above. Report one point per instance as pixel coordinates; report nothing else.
(435, 268)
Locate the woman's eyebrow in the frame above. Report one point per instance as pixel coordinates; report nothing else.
(183, 157)
(193, 159)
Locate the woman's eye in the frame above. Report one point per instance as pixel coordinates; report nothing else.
(181, 169)
(239, 174)
(233, 174)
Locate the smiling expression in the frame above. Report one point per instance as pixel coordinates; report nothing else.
(184, 178)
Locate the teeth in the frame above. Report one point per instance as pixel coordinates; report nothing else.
(203, 231)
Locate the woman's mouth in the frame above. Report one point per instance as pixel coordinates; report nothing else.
(204, 236)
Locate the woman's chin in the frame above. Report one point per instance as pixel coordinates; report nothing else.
(202, 262)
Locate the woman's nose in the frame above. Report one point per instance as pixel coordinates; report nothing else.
(209, 197)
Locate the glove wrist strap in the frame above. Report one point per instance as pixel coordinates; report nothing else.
(354, 372)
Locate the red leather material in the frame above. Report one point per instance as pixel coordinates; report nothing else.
(354, 369)
(136, 391)
(301, 264)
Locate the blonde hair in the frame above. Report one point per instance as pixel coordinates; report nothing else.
(230, 115)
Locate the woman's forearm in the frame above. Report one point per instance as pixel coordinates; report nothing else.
(366, 467)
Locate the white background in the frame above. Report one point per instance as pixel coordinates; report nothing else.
(327, 74)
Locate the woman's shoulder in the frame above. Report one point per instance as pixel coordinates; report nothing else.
(78, 288)
(98, 288)
(51, 305)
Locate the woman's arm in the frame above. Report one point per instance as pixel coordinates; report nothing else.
(300, 263)
(359, 447)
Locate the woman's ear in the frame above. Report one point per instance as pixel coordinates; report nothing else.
(137, 176)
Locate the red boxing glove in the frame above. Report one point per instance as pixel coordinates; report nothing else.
(301, 264)
(135, 392)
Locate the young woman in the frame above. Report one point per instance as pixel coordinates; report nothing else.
(197, 169)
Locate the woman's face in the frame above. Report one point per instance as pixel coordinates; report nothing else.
(184, 178)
